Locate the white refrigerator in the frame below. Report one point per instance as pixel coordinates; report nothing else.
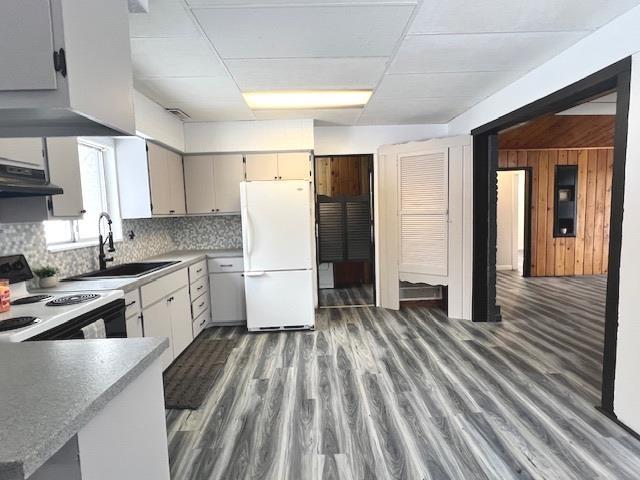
(277, 233)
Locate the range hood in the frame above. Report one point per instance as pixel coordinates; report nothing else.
(25, 182)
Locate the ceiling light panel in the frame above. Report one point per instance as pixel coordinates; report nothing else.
(307, 99)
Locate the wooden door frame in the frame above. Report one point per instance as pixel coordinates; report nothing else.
(485, 163)
(528, 187)
(371, 166)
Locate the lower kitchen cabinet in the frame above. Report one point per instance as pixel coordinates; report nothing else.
(179, 307)
(134, 326)
(157, 323)
(227, 298)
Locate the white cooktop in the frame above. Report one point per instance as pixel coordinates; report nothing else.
(49, 316)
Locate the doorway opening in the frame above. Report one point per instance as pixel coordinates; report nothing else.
(344, 216)
(560, 213)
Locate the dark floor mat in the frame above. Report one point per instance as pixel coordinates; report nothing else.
(191, 376)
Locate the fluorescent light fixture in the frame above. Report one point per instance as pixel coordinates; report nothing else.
(306, 99)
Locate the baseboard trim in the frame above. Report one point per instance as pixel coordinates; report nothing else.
(614, 418)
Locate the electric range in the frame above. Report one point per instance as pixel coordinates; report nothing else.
(34, 313)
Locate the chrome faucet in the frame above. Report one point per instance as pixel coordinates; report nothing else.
(102, 258)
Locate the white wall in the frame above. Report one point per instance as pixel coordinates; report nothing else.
(153, 122)
(627, 387)
(367, 139)
(507, 220)
(615, 41)
(248, 136)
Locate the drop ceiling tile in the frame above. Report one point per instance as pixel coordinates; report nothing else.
(423, 85)
(165, 90)
(334, 116)
(306, 32)
(218, 111)
(464, 16)
(307, 73)
(174, 57)
(166, 18)
(381, 111)
(479, 52)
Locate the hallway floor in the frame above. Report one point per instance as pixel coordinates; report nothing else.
(339, 297)
(414, 395)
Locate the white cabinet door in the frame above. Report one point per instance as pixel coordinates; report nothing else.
(199, 184)
(157, 323)
(176, 183)
(228, 173)
(179, 305)
(294, 166)
(159, 180)
(227, 297)
(134, 326)
(262, 166)
(64, 171)
(22, 151)
(26, 33)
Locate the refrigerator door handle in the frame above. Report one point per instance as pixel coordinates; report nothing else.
(253, 274)
(249, 237)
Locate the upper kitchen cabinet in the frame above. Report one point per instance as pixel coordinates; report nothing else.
(150, 179)
(22, 152)
(212, 183)
(66, 68)
(64, 170)
(279, 166)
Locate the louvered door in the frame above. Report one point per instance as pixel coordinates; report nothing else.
(423, 188)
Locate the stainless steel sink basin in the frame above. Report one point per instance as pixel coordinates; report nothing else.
(126, 270)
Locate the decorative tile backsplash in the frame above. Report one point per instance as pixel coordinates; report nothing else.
(201, 233)
(152, 237)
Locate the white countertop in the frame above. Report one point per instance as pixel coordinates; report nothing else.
(126, 284)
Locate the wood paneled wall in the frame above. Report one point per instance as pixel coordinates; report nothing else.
(343, 175)
(587, 253)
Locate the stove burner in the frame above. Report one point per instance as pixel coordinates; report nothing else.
(30, 299)
(72, 299)
(16, 322)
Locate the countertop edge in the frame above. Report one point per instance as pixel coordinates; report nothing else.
(41, 453)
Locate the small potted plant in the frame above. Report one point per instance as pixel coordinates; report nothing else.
(47, 276)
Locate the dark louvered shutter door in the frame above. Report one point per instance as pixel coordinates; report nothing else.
(358, 230)
(331, 231)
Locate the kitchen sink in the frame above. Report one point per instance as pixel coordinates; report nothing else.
(125, 270)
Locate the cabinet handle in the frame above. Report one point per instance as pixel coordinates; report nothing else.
(83, 211)
(130, 303)
(200, 287)
(170, 299)
(199, 270)
(275, 178)
(172, 211)
(204, 320)
(201, 305)
(226, 265)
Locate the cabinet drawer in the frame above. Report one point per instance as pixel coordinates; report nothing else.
(197, 270)
(224, 265)
(132, 303)
(199, 305)
(199, 288)
(162, 287)
(200, 323)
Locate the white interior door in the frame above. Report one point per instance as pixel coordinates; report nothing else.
(276, 225)
(228, 173)
(279, 299)
(26, 34)
(423, 202)
(64, 171)
(199, 184)
(294, 166)
(262, 166)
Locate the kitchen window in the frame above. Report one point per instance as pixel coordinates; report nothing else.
(99, 194)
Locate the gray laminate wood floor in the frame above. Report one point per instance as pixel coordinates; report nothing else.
(409, 394)
(340, 297)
